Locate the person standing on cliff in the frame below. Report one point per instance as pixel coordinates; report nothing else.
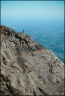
(23, 30)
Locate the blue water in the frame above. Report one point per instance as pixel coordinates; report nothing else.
(49, 34)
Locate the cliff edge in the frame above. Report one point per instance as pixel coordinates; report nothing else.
(27, 68)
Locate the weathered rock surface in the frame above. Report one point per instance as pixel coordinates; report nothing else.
(27, 68)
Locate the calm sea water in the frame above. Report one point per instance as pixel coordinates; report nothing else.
(49, 34)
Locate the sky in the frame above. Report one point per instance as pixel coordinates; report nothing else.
(18, 10)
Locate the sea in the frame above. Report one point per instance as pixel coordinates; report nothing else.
(48, 33)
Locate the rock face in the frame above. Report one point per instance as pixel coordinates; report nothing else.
(27, 68)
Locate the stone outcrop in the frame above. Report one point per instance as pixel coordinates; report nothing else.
(27, 68)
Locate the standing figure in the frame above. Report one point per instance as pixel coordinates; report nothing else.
(23, 30)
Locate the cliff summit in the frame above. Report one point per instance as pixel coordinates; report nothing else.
(27, 68)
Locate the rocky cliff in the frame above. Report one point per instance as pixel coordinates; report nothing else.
(27, 68)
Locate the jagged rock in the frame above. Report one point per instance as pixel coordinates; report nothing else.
(27, 68)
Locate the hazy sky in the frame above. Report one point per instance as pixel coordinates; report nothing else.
(32, 10)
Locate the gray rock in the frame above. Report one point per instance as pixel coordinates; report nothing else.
(27, 68)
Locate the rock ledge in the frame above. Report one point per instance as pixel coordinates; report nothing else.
(27, 68)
